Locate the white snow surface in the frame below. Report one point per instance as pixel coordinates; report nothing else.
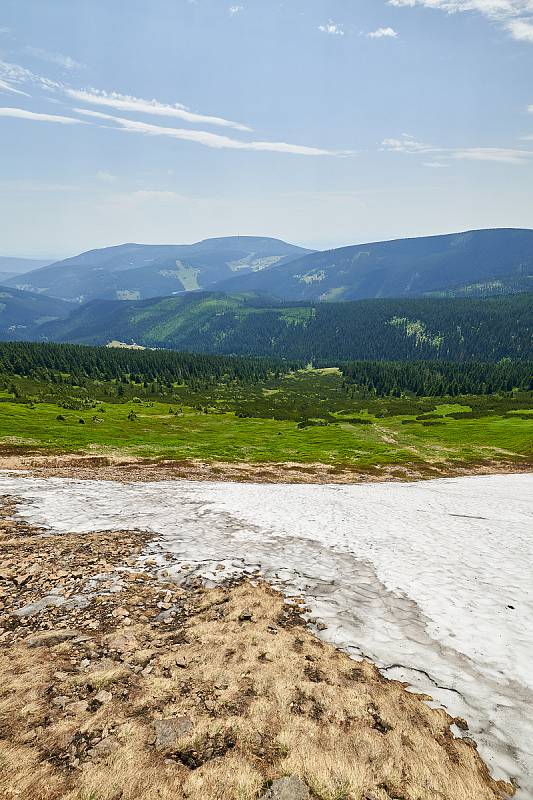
(432, 580)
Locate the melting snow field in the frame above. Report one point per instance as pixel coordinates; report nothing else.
(432, 580)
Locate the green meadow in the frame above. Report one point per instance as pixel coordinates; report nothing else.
(308, 416)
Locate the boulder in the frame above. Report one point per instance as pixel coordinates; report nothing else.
(291, 788)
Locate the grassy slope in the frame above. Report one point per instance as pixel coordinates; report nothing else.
(220, 435)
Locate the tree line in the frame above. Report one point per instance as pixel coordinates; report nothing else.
(54, 362)
(438, 379)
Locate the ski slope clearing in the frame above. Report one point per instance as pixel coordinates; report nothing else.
(431, 580)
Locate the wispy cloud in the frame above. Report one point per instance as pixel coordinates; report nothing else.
(22, 113)
(124, 102)
(106, 177)
(383, 33)
(66, 62)
(15, 74)
(213, 140)
(407, 144)
(516, 16)
(6, 87)
(333, 28)
(232, 10)
(502, 155)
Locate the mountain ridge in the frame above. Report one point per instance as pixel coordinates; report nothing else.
(136, 271)
(479, 262)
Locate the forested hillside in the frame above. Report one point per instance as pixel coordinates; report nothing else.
(136, 271)
(431, 329)
(21, 313)
(438, 379)
(56, 362)
(472, 264)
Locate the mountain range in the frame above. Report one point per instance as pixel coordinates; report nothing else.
(475, 263)
(138, 271)
(10, 266)
(249, 324)
(261, 292)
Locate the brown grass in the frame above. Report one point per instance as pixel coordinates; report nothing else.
(261, 697)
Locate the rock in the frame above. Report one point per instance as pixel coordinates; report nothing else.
(246, 615)
(123, 642)
(321, 626)
(142, 657)
(103, 697)
(461, 723)
(61, 676)
(287, 789)
(120, 613)
(168, 732)
(78, 707)
(51, 638)
(104, 747)
(181, 662)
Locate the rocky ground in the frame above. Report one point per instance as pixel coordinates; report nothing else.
(117, 684)
(125, 468)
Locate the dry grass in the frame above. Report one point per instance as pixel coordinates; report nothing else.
(261, 698)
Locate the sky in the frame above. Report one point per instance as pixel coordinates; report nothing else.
(321, 122)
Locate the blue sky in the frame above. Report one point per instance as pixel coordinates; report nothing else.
(323, 122)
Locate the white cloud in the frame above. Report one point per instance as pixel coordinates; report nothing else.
(435, 165)
(6, 87)
(521, 30)
(21, 113)
(123, 102)
(333, 28)
(407, 144)
(106, 177)
(383, 33)
(501, 155)
(14, 73)
(4, 29)
(213, 140)
(516, 16)
(66, 62)
(232, 10)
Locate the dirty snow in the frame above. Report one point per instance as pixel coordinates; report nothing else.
(432, 580)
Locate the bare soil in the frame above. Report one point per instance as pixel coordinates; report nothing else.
(126, 469)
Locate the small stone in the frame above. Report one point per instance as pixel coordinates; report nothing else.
(168, 732)
(61, 676)
(51, 638)
(60, 701)
(104, 747)
(147, 670)
(103, 697)
(246, 615)
(291, 788)
(181, 662)
(120, 612)
(78, 707)
(461, 723)
(321, 626)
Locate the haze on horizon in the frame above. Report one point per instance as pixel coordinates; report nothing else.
(321, 124)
